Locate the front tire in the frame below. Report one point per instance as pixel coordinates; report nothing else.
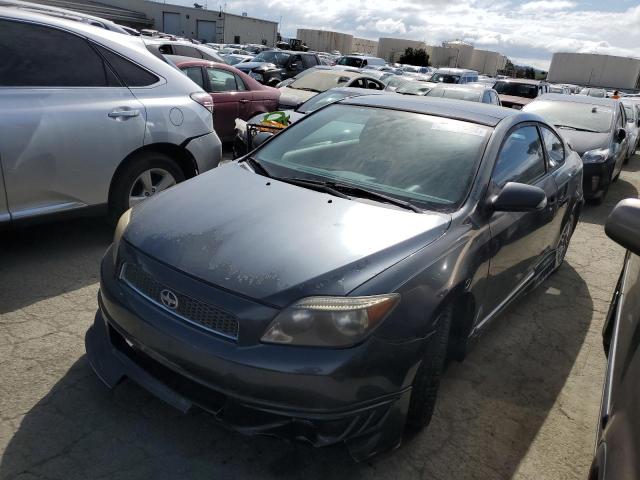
(427, 380)
(143, 176)
(563, 241)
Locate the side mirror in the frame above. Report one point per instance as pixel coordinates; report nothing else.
(623, 224)
(518, 197)
(621, 134)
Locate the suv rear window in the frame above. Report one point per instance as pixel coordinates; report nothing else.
(48, 57)
(130, 73)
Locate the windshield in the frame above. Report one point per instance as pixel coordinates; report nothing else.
(576, 115)
(593, 92)
(515, 89)
(445, 78)
(322, 99)
(554, 89)
(413, 88)
(395, 81)
(350, 62)
(428, 161)
(457, 94)
(232, 59)
(320, 81)
(279, 58)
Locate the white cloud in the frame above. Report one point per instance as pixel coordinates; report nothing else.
(547, 5)
(524, 33)
(389, 25)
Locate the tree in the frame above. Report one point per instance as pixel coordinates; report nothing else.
(415, 56)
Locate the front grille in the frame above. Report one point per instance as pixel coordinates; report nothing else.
(188, 309)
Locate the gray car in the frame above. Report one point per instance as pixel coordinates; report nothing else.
(91, 119)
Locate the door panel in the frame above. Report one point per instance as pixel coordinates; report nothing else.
(60, 147)
(228, 101)
(520, 240)
(65, 124)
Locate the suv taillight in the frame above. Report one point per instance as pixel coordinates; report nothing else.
(203, 99)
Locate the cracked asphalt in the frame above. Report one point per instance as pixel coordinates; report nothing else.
(522, 405)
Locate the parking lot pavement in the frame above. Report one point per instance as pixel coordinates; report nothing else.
(523, 405)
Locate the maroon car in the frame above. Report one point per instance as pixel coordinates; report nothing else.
(235, 94)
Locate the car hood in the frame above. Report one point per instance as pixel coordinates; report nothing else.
(273, 241)
(293, 96)
(584, 141)
(256, 66)
(292, 114)
(510, 99)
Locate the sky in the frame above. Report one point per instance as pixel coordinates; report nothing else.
(528, 32)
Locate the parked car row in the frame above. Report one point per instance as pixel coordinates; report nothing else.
(344, 259)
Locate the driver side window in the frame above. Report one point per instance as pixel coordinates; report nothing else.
(521, 158)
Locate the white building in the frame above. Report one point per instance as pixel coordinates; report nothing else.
(326, 40)
(485, 62)
(208, 25)
(463, 53)
(365, 46)
(392, 48)
(595, 70)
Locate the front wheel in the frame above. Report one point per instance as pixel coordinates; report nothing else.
(145, 175)
(427, 380)
(563, 241)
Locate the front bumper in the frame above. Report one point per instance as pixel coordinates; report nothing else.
(314, 395)
(206, 151)
(595, 179)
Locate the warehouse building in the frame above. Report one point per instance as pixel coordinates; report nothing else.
(485, 62)
(392, 48)
(325, 40)
(463, 53)
(364, 46)
(205, 25)
(596, 70)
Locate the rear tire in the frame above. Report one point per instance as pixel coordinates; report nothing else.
(427, 380)
(160, 164)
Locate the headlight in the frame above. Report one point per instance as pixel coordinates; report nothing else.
(598, 155)
(257, 76)
(330, 321)
(117, 236)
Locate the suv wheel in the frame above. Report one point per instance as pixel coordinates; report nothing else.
(144, 175)
(427, 380)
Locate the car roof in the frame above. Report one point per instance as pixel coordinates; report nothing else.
(469, 87)
(336, 73)
(522, 80)
(455, 70)
(585, 99)
(475, 112)
(182, 60)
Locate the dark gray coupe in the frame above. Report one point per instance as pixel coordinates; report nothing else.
(315, 289)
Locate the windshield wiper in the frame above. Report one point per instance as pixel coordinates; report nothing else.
(366, 193)
(577, 129)
(326, 187)
(256, 166)
(357, 191)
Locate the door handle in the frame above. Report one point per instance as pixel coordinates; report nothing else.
(244, 100)
(124, 113)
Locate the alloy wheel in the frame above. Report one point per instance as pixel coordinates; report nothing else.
(148, 184)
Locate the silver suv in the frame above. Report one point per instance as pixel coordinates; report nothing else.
(91, 118)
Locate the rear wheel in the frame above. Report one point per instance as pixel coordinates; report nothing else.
(427, 380)
(145, 175)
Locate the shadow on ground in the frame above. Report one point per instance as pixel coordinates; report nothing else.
(50, 259)
(490, 409)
